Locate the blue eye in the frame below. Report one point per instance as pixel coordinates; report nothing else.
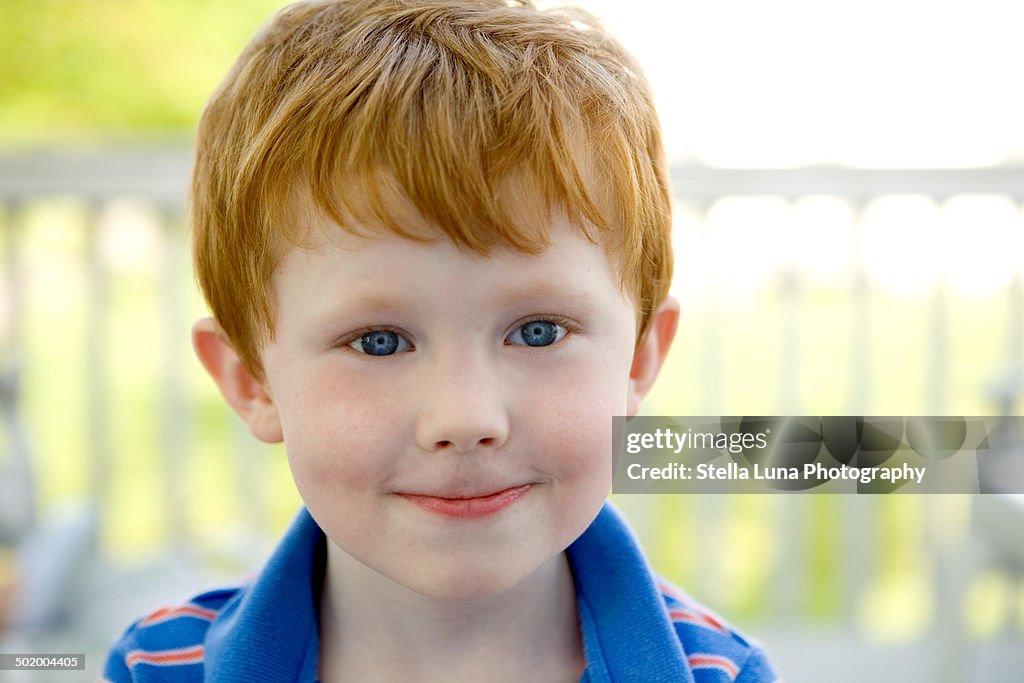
(381, 343)
(537, 333)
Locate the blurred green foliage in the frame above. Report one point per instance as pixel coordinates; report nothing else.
(82, 71)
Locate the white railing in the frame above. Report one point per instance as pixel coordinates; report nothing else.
(711, 529)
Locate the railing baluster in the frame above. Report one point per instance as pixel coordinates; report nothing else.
(938, 340)
(789, 294)
(20, 506)
(710, 344)
(861, 327)
(13, 344)
(789, 585)
(175, 422)
(98, 411)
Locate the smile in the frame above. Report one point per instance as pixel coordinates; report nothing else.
(468, 508)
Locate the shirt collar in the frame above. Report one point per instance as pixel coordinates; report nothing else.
(627, 635)
(269, 631)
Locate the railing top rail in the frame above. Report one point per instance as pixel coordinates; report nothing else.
(158, 174)
(162, 174)
(707, 183)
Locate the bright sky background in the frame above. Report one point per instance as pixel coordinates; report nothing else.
(879, 83)
(871, 83)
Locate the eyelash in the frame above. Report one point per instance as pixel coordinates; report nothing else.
(362, 332)
(570, 326)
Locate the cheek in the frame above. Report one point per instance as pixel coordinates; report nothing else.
(576, 419)
(337, 437)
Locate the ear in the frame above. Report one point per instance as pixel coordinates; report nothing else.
(651, 352)
(246, 394)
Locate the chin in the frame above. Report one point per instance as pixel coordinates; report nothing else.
(466, 583)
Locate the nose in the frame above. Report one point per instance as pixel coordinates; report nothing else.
(462, 407)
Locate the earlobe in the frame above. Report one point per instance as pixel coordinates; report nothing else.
(245, 393)
(651, 352)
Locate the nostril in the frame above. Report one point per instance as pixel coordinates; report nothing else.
(486, 442)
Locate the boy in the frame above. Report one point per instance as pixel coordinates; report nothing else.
(435, 239)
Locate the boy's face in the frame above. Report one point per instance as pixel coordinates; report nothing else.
(413, 382)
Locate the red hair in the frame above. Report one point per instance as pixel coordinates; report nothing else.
(457, 108)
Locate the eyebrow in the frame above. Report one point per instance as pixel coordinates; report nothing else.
(540, 290)
(396, 302)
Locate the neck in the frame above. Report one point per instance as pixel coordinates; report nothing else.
(369, 623)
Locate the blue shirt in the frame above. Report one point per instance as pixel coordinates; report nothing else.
(635, 626)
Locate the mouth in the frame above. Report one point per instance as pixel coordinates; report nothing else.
(469, 507)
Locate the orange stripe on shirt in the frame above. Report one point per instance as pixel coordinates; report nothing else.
(673, 592)
(714, 662)
(698, 618)
(185, 655)
(165, 613)
(694, 607)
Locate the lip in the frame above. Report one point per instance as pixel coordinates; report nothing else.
(469, 507)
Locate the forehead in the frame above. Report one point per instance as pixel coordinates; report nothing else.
(374, 266)
(329, 252)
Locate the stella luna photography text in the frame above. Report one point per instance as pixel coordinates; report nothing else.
(810, 471)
